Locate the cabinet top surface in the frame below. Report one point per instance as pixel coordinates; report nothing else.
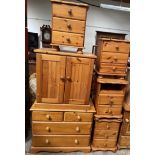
(50, 51)
(69, 2)
(117, 40)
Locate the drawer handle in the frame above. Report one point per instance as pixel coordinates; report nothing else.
(47, 129)
(69, 26)
(127, 120)
(77, 129)
(76, 141)
(117, 47)
(70, 12)
(68, 40)
(68, 78)
(47, 141)
(115, 58)
(48, 117)
(108, 127)
(62, 78)
(78, 117)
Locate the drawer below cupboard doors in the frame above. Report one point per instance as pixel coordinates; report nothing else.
(109, 110)
(105, 134)
(47, 116)
(60, 140)
(78, 117)
(64, 38)
(109, 57)
(104, 98)
(124, 140)
(114, 126)
(68, 25)
(104, 143)
(62, 128)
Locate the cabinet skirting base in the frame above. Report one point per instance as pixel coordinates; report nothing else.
(104, 149)
(123, 146)
(60, 149)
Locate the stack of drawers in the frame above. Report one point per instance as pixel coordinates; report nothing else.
(109, 90)
(68, 23)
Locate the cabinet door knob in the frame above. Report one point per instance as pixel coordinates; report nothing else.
(127, 120)
(68, 78)
(48, 117)
(76, 141)
(47, 141)
(117, 47)
(108, 127)
(78, 117)
(69, 26)
(70, 11)
(62, 78)
(77, 129)
(48, 129)
(115, 58)
(68, 40)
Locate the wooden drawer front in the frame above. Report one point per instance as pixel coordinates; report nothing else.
(109, 110)
(124, 141)
(104, 143)
(47, 116)
(114, 126)
(113, 69)
(68, 25)
(61, 140)
(108, 57)
(63, 128)
(69, 11)
(110, 98)
(65, 38)
(105, 134)
(112, 46)
(76, 116)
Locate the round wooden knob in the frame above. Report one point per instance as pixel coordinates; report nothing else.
(115, 58)
(77, 129)
(48, 117)
(78, 117)
(68, 78)
(127, 120)
(47, 141)
(47, 129)
(76, 141)
(62, 78)
(68, 39)
(69, 26)
(70, 11)
(106, 136)
(108, 127)
(117, 47)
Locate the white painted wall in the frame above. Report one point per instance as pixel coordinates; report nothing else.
(98, 19)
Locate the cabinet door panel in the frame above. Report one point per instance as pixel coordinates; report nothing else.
(50, 74)
(78, 80)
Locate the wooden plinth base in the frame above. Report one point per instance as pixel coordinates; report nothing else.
(123, 147)
(60, 149)
(104, 149)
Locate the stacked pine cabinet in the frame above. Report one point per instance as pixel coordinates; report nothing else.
(62, 115)
(109, 91)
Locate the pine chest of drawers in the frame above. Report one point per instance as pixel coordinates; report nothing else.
(112, 56)
(68, 23)
(61, 127)
(105, 134)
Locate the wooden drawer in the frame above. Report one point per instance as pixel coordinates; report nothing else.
(113, 46)
(109, 109)
(60, 140)
(69, 11)
(105, 134)
(62, 128)
(104, 143)
(47, 116)
(112, 126)
(78, 117)
(109, 57)
(110, 98)
(64, 38)
(124, 141)
(115, 69)
(68, 25)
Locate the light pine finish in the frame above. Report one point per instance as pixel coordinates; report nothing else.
(61, 140)
(79, 76)
(124, 142)
(61, 128)
(78, 117)
(68, 25)
(105, 134)
(65, 38)
(47, 116)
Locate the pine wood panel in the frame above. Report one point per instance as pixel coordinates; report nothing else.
(61, 140)
(109, 109)
(50, 74)
(65, 38)
(68, 25)
(79, 76)
(109, 57)
(105, 134)
(104, 143)
(69, 11)
(78, 117)
(61, 128)
(47, 116)
(124, 141)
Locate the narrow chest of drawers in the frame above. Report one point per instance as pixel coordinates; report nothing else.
(68, 23)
